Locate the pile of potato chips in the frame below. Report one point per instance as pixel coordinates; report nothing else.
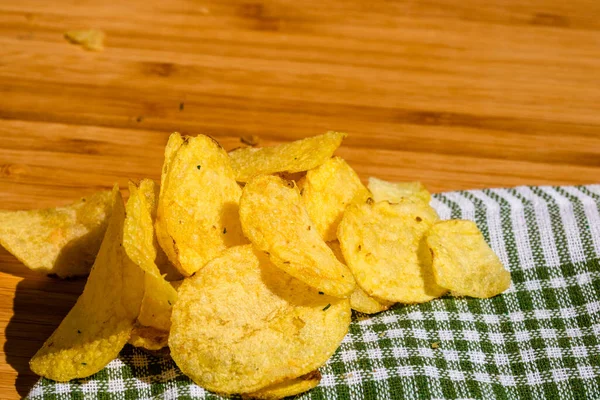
(246, 265)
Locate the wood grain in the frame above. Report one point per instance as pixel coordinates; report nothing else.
(459, 95)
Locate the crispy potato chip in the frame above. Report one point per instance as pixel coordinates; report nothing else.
(394, 192)
(327, 191)
(148, 338)
(383, 246)
(463, 262)
(297, 156)
(157, 304)
(231, 319)
(359, 300)
(287, 388)
(63, 240)
(99, 324)
(275, 220)
(197, 214)
(362, 302)
(89, 39)
(140, 245)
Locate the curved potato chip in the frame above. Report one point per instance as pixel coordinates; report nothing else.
(394, 192)
(275, 220)
(140, 245)
(157, 304)
(148, 338)
(287, 388)
(383, 246)
(197, 215)
(143, 243)
(231, 319)
(99, 324)
(63, 240)
(463, 262)
(297, 156)
(327, 190)
(359, 300)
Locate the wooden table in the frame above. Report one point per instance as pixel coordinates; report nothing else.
(457, 94)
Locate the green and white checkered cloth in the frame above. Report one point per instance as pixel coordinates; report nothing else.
(538, 340)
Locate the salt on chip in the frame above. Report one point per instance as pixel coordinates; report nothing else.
(139, 241)
(243, 324)
(275, 219)
(148, 338)
(297, 156)
(63, 240)
(394, 192)
(327, 190)
(359, 300)
(463, 262)
(291, 387)
(383, 244)
(197, 214)
(99, 325)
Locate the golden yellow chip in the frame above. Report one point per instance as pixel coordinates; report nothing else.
(359, 300)
(275, 220)
(148, 338)
(327, 190)
(243, 324)
(383, 246)
(362, 302)
(291, 387)
(297, 156)
(63, 240)
(99, 324)
(140, 237)
(394, 192)
(197, 214)
(89, 39)
(140, 245)
(463, 262)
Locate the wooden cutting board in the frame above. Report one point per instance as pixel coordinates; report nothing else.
(457, 94)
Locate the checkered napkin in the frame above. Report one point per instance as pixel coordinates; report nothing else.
(538, 340)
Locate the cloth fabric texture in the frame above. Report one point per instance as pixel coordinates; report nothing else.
(538, 340)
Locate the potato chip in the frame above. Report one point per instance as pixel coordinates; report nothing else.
(362, 302)
(463, 262)
(99, 324)
(275, 220)
(89, 39)
(297, 156)
(197, 214)
(148, 338)
(140, 245)
(327, 191)
(394, 192)
(287, 388)
(243, 324)
(359, 300)
(383, 246)
(63, 240)
(142, 238)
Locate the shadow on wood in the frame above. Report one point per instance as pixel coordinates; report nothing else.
(39, 305)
